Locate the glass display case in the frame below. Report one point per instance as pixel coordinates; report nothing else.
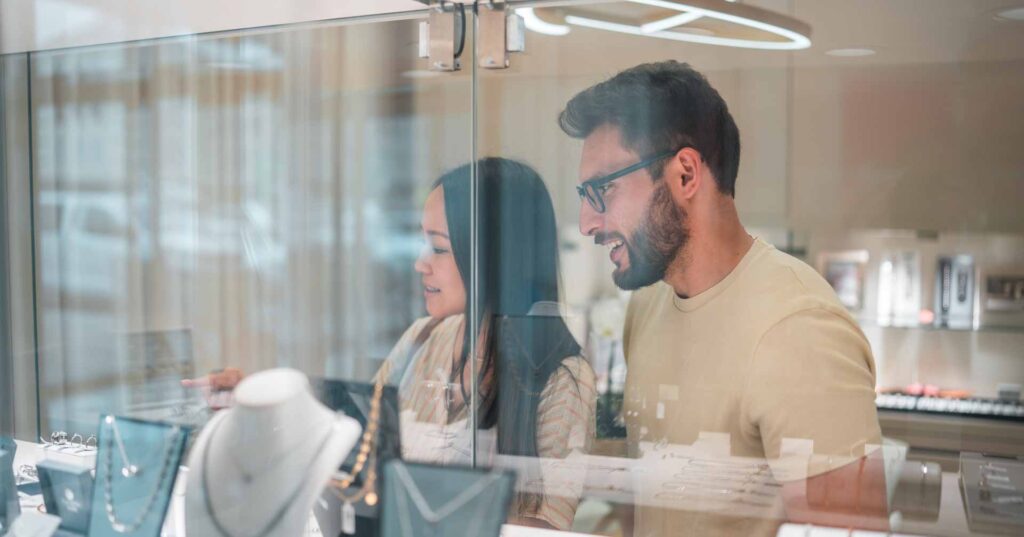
(408, 210)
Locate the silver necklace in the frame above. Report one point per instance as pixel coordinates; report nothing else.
(130, 471)
(248, 476)
(434, 517)
(280, 512)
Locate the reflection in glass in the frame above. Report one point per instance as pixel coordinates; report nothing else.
(838, 157)
(256, 192)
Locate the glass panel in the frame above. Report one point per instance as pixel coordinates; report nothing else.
(815, 332)
(240, 200)
(17, 345)
(11, 77)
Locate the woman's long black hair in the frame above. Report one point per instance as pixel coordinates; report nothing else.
(517, 268)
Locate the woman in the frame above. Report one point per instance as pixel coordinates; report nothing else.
(535, 393)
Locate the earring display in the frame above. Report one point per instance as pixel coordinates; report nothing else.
(462, 501)
(67, 493)
(350, 506)
(135, 471)
(10, 508)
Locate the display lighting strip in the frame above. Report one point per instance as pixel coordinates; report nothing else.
(689, 13)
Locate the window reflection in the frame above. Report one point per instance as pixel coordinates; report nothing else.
(535, 391)
(249, 201)
(243, 188)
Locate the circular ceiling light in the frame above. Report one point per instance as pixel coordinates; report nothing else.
(851, 52)
(1011, 14)
(695, 31)
(535, 23)
(787, 33)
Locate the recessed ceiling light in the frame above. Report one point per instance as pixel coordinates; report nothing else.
(1011, 14)
(851, 52)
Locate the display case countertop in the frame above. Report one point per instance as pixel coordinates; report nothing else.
(174, 526)
(951, 519)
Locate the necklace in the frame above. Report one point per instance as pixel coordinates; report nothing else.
(367, 453)
(248, 476)
(280, 512)
(130, 471)
(431, 516)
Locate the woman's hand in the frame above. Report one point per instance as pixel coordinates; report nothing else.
(217, 386)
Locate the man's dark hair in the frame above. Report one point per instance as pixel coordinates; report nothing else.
(658, 107)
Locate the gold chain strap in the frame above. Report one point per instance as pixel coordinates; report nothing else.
(367, 453)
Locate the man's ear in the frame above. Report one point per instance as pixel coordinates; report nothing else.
(683, 175)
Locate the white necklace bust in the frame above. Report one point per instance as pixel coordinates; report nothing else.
(257, 468)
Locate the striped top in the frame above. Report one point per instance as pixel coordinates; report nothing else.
(436, 430)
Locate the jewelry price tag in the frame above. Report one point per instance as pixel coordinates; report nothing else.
(348, 519)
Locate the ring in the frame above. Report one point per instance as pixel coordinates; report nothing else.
(27, 472)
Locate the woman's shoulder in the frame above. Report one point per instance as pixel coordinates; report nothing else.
(576, 373)
(418, 328)
(577, 365)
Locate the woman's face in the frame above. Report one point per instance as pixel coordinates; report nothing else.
(443, 290)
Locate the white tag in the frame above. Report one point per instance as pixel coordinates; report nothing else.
(661, 410)
(348, 519)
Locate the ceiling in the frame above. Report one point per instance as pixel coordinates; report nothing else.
(908, 31)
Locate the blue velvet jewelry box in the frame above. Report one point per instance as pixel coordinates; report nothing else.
(67, 493)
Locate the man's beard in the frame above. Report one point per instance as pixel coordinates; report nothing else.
(655, 244)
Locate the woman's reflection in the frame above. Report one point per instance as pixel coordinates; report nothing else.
(535, 392)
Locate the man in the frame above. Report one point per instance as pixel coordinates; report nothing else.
(724, 334)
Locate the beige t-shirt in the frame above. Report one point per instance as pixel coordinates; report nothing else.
(768, 356)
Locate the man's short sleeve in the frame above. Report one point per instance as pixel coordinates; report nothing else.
(811, 394)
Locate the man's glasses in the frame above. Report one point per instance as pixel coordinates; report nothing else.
(592, 190)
